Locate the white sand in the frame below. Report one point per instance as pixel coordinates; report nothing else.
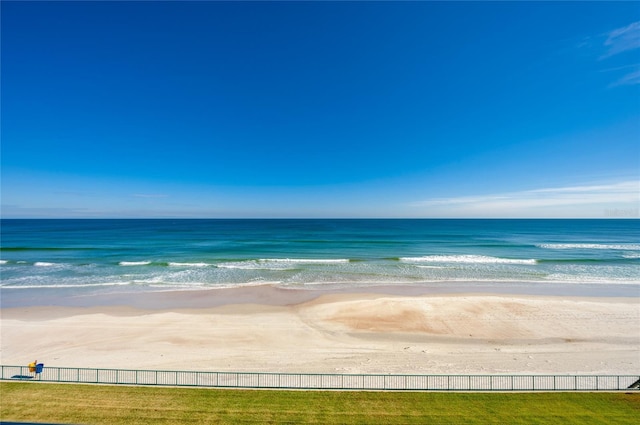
(339, 333)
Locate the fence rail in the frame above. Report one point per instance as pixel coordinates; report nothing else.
(326, 381)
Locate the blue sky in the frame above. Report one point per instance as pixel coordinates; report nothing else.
(320, 109)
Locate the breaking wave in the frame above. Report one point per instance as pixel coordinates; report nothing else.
(625, 247)
(467, 259)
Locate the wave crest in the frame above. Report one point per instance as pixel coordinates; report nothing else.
(625, 247)
(174, 264)
(304, 260)
(279, 263)
(467, 259)
(134, 263)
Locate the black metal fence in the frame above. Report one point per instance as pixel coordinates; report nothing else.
(326, 381)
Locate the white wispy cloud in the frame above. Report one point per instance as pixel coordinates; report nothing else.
(629, 79)
(622, 39)
(575, 201)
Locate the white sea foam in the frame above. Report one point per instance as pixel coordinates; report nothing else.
(173, 286)
(65, 285)
(277, 263)
(3, 261)
(583, 278)
(43, 264)
(632, 255)
(189, 264)
(627, 247)
(134, 263)
(305, 260)
(467, 259)
(155, 279)
(255, 265)
(431, 267)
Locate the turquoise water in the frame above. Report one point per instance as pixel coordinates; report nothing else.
(103, 256)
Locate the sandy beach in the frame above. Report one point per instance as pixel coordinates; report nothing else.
(275, 330)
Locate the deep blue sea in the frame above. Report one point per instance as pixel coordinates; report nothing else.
(104, 256)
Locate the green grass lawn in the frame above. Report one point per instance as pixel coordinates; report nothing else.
(95, 404)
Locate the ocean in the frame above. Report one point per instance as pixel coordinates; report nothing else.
(90, 256)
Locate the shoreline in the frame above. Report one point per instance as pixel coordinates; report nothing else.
(273, 294)
(270, 329)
